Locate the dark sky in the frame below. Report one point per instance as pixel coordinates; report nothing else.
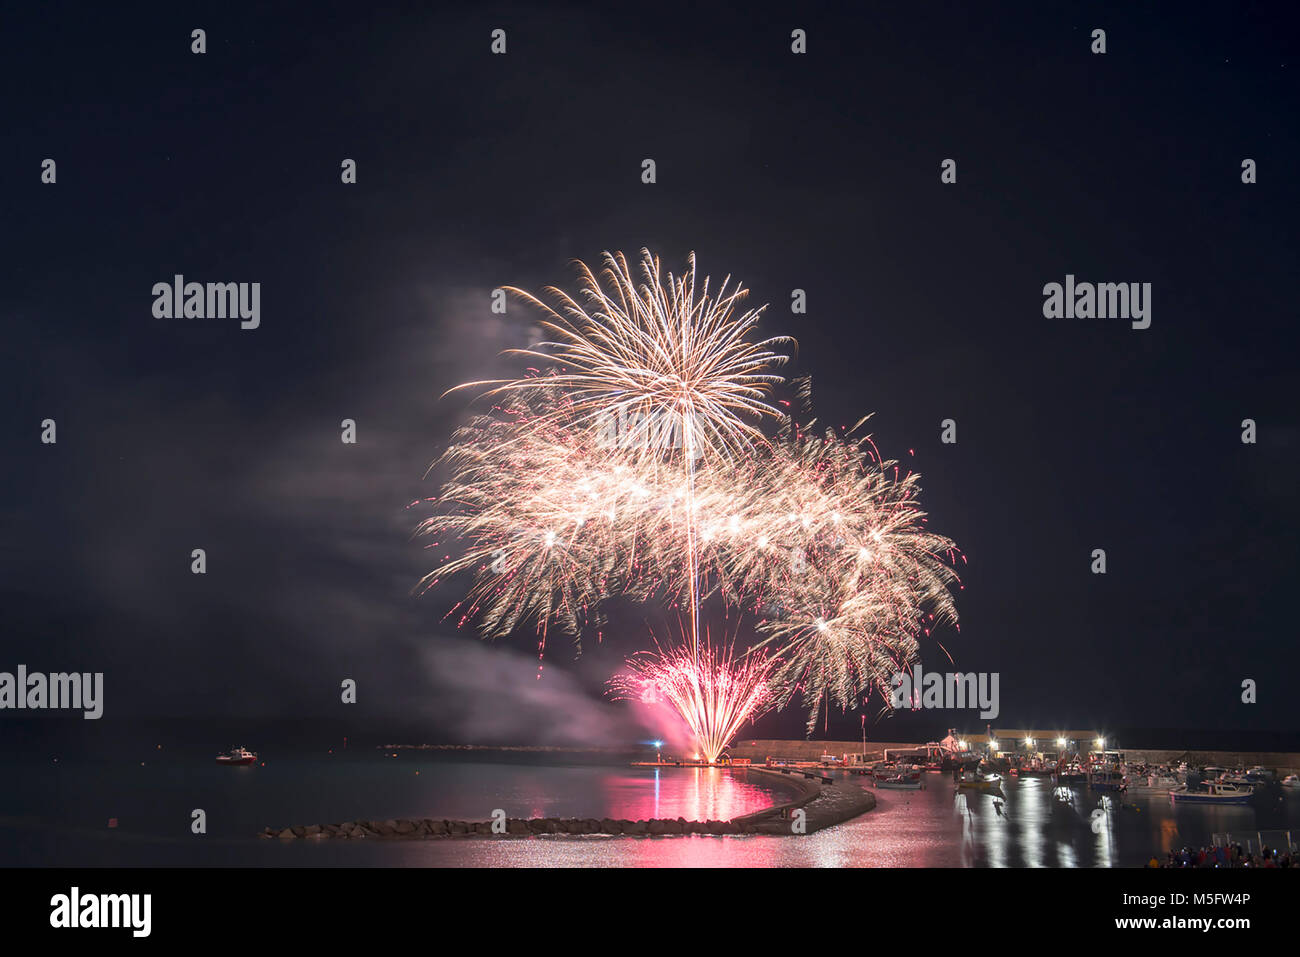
(818, 171)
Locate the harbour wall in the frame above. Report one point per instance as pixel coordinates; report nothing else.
(758, 749)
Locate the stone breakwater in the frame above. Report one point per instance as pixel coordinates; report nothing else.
(821, 806)
(429, 828)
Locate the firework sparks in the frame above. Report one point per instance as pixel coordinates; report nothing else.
(714, 692)
(664, 354)
(660, 351)
(814, 534)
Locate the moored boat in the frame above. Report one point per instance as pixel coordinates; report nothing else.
(1291, 781)
(906, 779)
(1107, 780)
(1214, 792)
(1072, 775)
(1238, 779)
(237, 756)
(1157, 779)
(991, 783)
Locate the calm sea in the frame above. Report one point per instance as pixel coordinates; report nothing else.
(58, 813)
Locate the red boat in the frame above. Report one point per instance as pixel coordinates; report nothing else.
(237, 756)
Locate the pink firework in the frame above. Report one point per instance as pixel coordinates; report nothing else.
(714, 692)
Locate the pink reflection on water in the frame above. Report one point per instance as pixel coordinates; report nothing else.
(696, 794)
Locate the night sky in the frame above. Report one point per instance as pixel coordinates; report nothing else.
(818, 171)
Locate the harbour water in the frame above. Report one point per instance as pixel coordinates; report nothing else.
(58, 814)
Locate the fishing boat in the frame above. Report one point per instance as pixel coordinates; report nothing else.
(1157, 779)
(991, 783)
(888, 769)
(1238, 779)
(237, 756)
(1032, 770)
(905, 779)
(1107, 780)
(1213, 793)
(1072, 775)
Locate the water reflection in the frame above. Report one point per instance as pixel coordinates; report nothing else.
(42, 818)
(696, 794)
(1036, 825)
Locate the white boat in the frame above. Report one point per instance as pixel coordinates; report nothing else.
(1238, 779)
(905, 779)
(237, 756)
(1158, 780)
(1215, 792)
(1291, 781)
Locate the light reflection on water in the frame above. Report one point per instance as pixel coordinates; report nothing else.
(696, 794)
(1035, 825)
(58, 818)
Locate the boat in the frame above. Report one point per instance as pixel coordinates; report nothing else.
(1238, 779)
(1071, 775)
(888, 769)
(1213, 793)
(1032, 770)
(237, 756)
(1107, 780)
(991, 783)
(1291, 781)
(904, 779)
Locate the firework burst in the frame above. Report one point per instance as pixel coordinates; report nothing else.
(714, 692)
(660, 350)
(554, 511)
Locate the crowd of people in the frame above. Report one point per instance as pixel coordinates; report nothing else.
(1227, 855)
